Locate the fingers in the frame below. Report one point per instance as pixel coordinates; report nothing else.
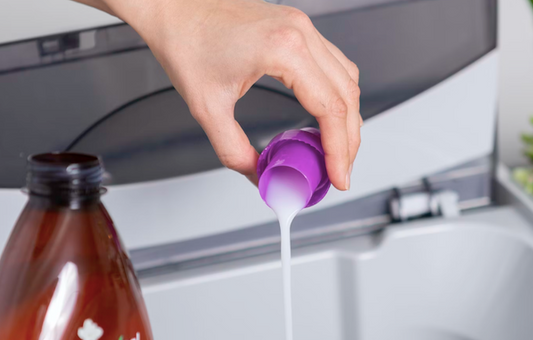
(335, 144)
(299, 71)
(350, 67)
(347, 63)
(347, 86)
(231, 144)
(341, 69)
(354, 119)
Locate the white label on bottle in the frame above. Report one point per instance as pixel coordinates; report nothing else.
(90, 331)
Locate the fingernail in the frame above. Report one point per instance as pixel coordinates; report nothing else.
(361, 121)
(348, 176)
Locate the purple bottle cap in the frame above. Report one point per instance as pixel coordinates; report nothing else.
(302, 151)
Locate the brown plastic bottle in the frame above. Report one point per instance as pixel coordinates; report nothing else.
(64, 274)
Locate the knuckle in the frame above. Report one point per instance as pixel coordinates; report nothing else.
(338, 108)
(297, 17)
(353, 91)
(234, 162)
(353, 70)
(197, 113)
(200, 113)
(288, 37)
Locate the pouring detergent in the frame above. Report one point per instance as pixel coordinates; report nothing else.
(292, 176)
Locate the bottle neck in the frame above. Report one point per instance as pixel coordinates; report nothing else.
(62, 202)
(64, 180)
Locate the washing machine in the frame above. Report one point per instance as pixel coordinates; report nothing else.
(433, 241)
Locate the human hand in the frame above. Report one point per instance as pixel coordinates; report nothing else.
(214, 51)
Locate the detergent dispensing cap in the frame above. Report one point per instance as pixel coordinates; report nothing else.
(302, 151)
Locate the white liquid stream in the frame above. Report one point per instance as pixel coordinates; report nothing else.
(287, 194)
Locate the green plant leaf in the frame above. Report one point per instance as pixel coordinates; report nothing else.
(121, 337)
(521, 175)
(528, 152)
(531, 2)
(528, 139)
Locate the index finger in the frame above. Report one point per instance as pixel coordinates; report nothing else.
(320, 98)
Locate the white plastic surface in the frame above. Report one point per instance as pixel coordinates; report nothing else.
(25, 19)
(464, 279)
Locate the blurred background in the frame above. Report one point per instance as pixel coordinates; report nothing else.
(516, 78)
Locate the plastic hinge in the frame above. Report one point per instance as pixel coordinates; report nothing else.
(444, 203)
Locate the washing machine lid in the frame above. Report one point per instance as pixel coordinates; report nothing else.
(27, 19)
(428, 79)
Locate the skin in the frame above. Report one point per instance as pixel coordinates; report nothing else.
(213, 52)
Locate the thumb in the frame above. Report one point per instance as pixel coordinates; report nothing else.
(229, 141)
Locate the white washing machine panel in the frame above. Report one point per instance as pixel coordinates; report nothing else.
(468, 278)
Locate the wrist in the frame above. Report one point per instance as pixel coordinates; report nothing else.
(149, 17)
